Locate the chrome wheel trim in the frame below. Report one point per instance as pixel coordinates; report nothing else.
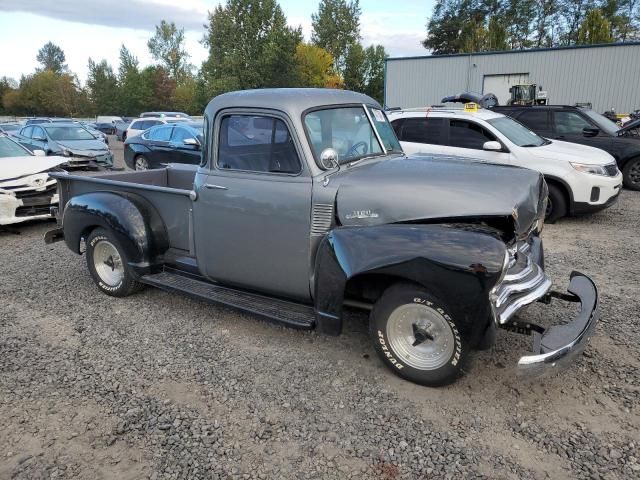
(108, 263)
(141, 163)
(430, 354)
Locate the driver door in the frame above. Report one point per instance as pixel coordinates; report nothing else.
(252, 215)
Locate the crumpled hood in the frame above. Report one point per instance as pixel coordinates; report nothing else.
(85, 148)
(15, 167)
(572, 152)
(405, 189)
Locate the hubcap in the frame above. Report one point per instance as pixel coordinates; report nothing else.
(108, 263)
(141, 163)
(420, 336)
(634, 173)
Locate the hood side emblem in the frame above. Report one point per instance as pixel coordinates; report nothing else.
(360, 214)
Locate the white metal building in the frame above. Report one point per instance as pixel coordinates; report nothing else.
(607, 76)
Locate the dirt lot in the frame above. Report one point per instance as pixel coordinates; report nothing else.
(161, 386)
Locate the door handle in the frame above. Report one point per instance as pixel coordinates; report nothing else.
(210, 186)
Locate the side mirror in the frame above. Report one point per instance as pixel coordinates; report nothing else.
(590, 132)
(40, 153)
(329, 158)
(492, 146)
(191, 141)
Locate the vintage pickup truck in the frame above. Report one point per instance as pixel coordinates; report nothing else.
(305, 204)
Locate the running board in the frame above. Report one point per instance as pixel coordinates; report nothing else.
(292, 314)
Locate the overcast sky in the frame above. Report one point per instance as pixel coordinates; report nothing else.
(97, 28)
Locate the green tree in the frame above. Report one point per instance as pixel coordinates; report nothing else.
(52, 58)
(167, 47)
(47, 93)
(594, 29)
(103, 88)
(375, 56)
(7, 86)
(314, 66)
(250, 46)
(336, 27)
(355, 68)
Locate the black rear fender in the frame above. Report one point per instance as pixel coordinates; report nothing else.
(133, 220)
(458, 266)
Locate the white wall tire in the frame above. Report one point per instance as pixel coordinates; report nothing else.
(417, 337)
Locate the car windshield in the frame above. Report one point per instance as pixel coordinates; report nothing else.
(9, 148)
(69, 133)
(349, 132)
(516, 132)
(602, 122)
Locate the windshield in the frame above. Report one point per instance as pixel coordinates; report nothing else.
(9, 148)
(603, 122)
(69, 133)
(348, 131)
(517, 133)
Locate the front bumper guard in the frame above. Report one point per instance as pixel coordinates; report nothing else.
(555, 347)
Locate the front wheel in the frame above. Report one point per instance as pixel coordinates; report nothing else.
(556, 205)
(417, 337)
(108, 265)
(631, 174)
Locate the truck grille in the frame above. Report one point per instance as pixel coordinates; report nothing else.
(48, 192)
(524, 283)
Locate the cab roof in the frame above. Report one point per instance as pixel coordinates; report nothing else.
(292, 101)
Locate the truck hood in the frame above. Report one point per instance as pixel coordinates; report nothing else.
(14, 167)
(410, 189)
(571, 152)
(85, 148)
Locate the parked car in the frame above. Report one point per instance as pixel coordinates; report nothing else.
(71, 140)
(95, 132)
(581, 179)
(328, 212)
(10, 127)
(27, 192)
(136, 127)
(586, 127)
(121, 128)
(163, 144)
(38, 120)
(165, 114)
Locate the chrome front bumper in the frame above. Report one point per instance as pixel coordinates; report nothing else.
(525, 283)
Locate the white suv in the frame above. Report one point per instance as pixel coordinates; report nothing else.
(581, 179)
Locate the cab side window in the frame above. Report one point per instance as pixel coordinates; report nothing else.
(536, 120)
(570, 123)
(422, 130)
(464, 134)
(160, 134)
(256, 144)
(26, 132)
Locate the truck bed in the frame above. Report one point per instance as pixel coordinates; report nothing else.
(168, 189)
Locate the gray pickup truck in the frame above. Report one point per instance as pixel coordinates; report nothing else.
(305, 204)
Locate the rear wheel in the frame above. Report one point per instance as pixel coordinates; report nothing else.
(631, 174)
(141, 163)
(416, 336)
(108, 265)
(556, 204)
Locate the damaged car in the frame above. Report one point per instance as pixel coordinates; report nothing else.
(304, 206)
(68, 139)
(27, 191)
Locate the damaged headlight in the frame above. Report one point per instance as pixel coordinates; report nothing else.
(67, 153)
(592, 169)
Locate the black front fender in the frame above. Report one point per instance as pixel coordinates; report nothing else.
(135, 223)
(458, 266)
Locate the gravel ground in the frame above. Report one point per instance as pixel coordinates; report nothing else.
(161, 386)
